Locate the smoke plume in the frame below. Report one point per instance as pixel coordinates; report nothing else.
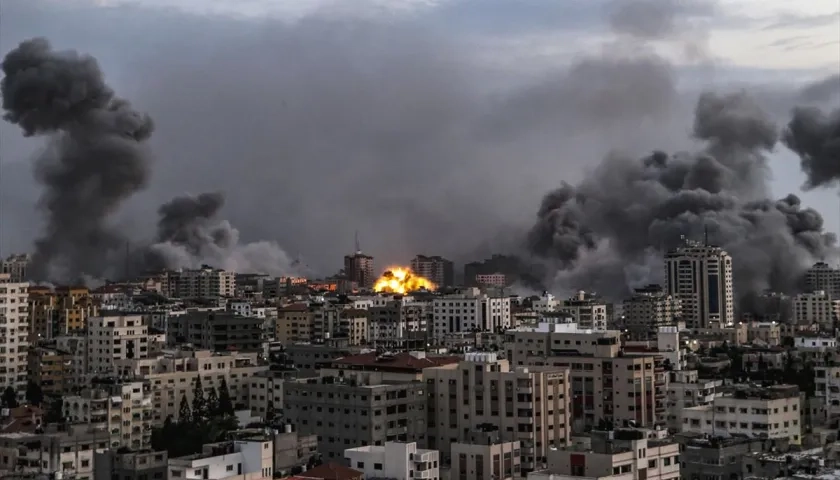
(95, 158)
(815, 137)
(610, 231)
(189, 235)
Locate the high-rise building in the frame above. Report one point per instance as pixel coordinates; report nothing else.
(822, 277)
(700, 276)
(469, 311)
(648, 309)
(359, 268)
(14, 332)
(15, 266)
(205, 282)
(437, 269)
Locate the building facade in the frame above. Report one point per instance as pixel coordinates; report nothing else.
(700, 276)
(14, 333)
(437, 269)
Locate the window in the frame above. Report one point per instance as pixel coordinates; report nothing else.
(651, 463)
(360, 464)
(377, 466)
(229, 468)
(176, 473)
(666, 461)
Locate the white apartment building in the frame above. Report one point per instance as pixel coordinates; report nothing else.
(815, 341)
(700, 276)
(172, 375)
(202, 283)
(14, 333)
(822, 277)
(771, 412)
(122, 412)
(251, 459)
(469, 311)
(685, 390)
(586, 311)
(650, 308)
(815, 307)
(395, 460)
(114, 338)
(15, 266)
(546, 303)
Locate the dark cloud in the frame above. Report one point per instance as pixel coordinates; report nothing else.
(796, 20)
(815, 137)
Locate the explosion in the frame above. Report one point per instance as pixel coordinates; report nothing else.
(401, 280)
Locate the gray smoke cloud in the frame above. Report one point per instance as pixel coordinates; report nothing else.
(815, 137)
(190, 235)
(95, 158)
(609, 231)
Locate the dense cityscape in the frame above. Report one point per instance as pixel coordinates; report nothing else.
(661, 313)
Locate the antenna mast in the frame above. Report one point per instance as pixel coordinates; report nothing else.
(358, 247)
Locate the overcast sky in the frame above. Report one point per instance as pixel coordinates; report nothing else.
(318, 118)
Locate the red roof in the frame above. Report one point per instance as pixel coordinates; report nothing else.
(398, 362)
(331, 471)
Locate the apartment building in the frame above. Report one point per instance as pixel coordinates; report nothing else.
(587, 311)
(293, 324)
(265, 391)
(395, 460)
(326, 322)
(122, 412)
(14, 333)
(131, 465)
(52, 369)
(396, 319)
(700, 276)
(60, 311)
(172, 376)
(469, 311)
(605, 383)
(822, 277)
(201, 283)
(292, 450)
(359, 269)
(484, 455)
(827, 390)
(816, 307)
(218, 331)
(15, 266)
(114, 338)
(353, 325)
(249, 459)
(649, 308)
(685, 390)
(529, 404)
(437, 269)
(770, 412)
(69, 453)
(617, 454)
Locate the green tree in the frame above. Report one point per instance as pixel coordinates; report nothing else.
(199, 405)
(184, 413)
(225, 403)
(9, 398)
(212, 403)
(55, 412)
(34, 394)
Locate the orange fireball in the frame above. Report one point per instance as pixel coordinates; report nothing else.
(402, 280)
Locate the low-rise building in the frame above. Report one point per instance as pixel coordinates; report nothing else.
(130, 465)
(292, 450)
(485, 455)
(395, 460)
(686, 389)
(250, 459)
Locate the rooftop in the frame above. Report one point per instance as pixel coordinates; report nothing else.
(331, 471)
(405, 362)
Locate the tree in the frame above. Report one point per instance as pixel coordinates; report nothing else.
(9, 398)
(269, 412)
(199, 406)
(225, 403)
(34, 395)
(55, 412)
(184, 413)
(212, 403)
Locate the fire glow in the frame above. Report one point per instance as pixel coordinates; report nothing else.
(402, 280)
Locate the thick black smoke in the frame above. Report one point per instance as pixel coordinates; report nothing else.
(190, 235)
(815, 137)
(609, 231)
(94, 161)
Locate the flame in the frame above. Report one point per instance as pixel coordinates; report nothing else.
(401, 280)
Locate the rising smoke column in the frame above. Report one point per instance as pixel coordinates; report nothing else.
(609, 231)
(94, 161)
(815, 137)
(190, 235)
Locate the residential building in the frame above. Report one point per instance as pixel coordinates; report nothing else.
(249, 459)
(122, 412)
(353, 325)
(822, 277)
(483, 454)
(22, 419)
(68, 453)
(603, 379)
(616, 454)
(265, 391)
(15, 266)
(14, 333)
(309, 357)
(114, 338)
(205, 282)
(770, 412)
(686, 389)
(704, 456)
(359, 269)
(816, 307)
(395, 460)
(437, 269)
(397, 319)
(648, 309)
(294, 324)
(218, 331)
(292, 449)
(827, 390)
(528, 404)
(130, 465)
(546, 303)
(469, 311)
(700, 276)
(814, 341)
(331, 471)
(326, 323)
(74, 306)
(496, 280)
(498, 270)
(587, 311)
(52, 369)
